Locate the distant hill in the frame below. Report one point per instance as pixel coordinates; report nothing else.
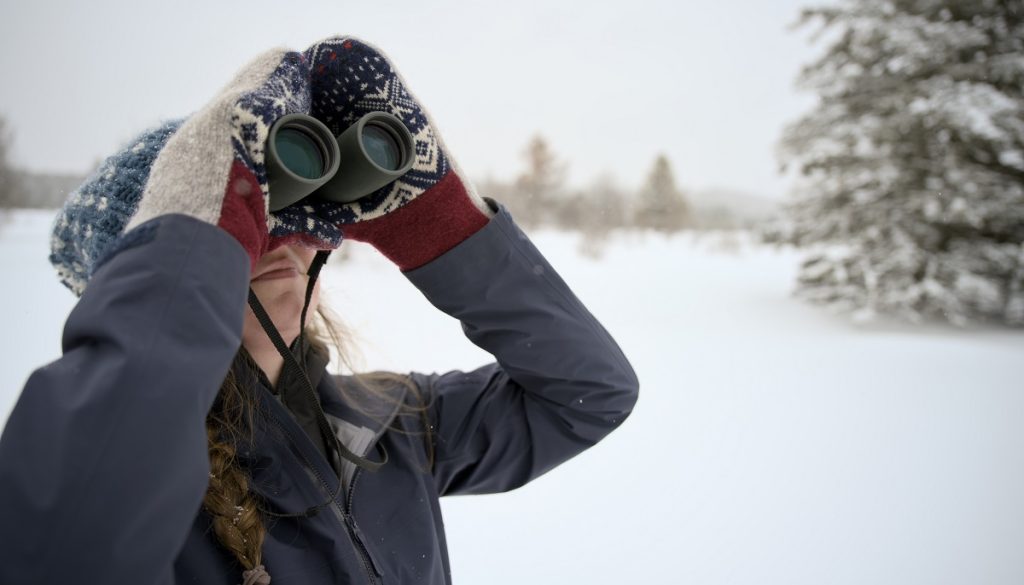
(45, 190)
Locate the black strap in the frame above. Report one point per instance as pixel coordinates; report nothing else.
(306, 399)
(313, 273)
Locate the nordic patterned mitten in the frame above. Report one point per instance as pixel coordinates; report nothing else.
(425, 212)
(209, 165)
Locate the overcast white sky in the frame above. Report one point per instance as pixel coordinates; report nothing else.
(610, 84)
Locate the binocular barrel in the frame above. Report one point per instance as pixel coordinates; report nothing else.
(304, 158)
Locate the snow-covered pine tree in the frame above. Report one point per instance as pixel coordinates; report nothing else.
(660, 204)
(912, 163)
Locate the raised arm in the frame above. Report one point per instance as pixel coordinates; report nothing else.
(560, 383)
(103, 461)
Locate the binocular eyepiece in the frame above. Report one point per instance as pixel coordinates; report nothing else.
(303, 158)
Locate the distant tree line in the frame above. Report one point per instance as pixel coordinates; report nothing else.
(540, 197)
(10, 185)
(22, 189)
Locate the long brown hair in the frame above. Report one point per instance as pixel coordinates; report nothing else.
(237, 521)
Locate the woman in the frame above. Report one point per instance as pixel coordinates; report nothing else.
(191, 434)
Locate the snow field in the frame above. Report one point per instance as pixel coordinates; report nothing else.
(772, 443)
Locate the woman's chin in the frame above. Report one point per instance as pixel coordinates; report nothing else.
(282, 299)
(280, 295)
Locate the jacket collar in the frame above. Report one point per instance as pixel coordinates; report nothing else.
(314, 361)
(344, 398)
(358, 415)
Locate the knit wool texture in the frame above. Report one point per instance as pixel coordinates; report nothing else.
(348, 79)
(424, 212)
(209, 165)
(94, 215)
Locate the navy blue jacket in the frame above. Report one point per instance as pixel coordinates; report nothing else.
(104, 464)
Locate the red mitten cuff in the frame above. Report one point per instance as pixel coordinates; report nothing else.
(242, 214)
(426, 227)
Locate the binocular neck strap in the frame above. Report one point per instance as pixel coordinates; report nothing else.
(310, 414)
(313, 273)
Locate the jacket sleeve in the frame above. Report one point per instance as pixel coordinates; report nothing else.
(560, 382)
(103, 461)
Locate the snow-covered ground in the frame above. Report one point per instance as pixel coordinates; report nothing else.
(772, 443)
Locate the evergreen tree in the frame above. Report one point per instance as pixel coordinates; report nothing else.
(661, 205)
(541, 187)
(912, 163)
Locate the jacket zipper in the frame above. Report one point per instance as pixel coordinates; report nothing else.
(351, 494)
(360, 548)
(350, 523)
(351, 490)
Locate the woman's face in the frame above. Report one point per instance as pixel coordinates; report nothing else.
(279, 281)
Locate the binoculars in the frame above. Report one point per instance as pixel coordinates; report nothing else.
(303, 158)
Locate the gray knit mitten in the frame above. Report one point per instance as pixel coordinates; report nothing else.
(209, 166)
(212, 167)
